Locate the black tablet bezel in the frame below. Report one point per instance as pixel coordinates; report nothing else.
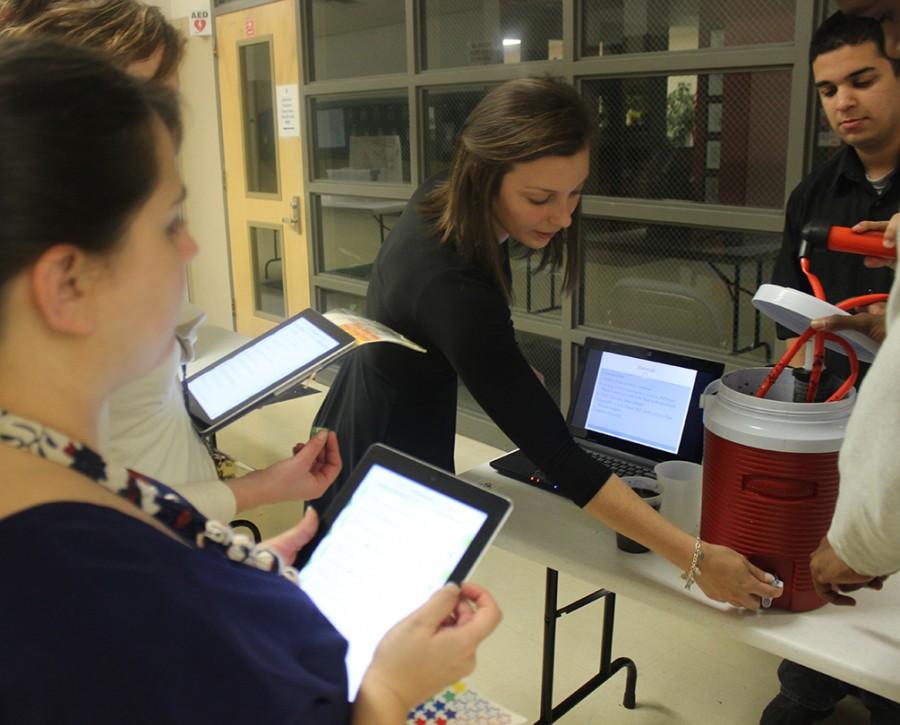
(497, 508)
(207, 425)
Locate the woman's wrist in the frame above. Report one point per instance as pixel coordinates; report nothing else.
(255, 489)
(679, 548)
(620, 509)
(690, 574)
(378, 704)
(244, 492)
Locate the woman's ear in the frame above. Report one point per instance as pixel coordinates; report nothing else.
(63, 282)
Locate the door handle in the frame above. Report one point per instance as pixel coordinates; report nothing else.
(294, 218)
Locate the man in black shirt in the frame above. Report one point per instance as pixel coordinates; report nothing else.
(860, 93)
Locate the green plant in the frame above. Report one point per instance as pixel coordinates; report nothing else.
(680, 116)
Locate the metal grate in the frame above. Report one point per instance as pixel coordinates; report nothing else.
(340, 33)
(534, 292)
(445, 111)
(719, 138)
(361, 138)
(615, 27)
(332, 300)
(489, 32)
(687, 285)
(353, 228)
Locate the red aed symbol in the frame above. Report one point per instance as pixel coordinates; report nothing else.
(199, 25)
(250, 28)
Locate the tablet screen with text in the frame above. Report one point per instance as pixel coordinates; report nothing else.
(263, 365)
(404, 531)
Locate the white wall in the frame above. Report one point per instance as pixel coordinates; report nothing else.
(209, 276)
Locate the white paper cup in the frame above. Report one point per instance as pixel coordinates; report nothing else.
(682, 481)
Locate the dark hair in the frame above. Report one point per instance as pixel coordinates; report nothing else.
(839, 30)
(127, 31)
(77, 149)
(517, 122)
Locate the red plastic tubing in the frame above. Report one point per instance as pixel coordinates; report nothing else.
(821, 337)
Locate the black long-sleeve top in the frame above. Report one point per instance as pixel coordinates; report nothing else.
(405, 399)
(837, 193)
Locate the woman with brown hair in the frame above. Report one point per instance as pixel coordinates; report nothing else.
(442, 279)
(135, 36)
(120, 602)
(145, 424)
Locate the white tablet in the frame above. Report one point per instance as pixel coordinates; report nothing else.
(396, 532)
(262, 368)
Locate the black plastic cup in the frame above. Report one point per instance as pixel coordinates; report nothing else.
(650, 490)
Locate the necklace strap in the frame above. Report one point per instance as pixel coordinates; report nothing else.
(156, 499)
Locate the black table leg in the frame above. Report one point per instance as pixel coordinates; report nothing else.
(550, 591)
(608, 666)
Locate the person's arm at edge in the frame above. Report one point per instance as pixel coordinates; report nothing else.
(215, 499)
(865, 529)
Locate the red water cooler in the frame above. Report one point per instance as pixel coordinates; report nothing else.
(770, 476)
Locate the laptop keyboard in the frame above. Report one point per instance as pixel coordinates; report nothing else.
(620, 467)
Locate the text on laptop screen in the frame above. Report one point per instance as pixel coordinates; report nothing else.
(256, 368)
(641, 401)
(394, 544)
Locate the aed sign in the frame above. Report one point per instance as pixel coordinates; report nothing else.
(200, 22)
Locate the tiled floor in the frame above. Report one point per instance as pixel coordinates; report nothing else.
(685, 675)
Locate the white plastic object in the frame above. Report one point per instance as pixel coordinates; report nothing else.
(795, 310)
(774, 423)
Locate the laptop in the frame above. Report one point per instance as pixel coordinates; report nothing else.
(632, 407)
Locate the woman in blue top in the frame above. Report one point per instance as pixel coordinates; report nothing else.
(120, 602)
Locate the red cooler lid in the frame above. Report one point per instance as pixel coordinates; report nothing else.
(795, 310)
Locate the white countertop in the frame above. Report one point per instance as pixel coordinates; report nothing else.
(860, 645)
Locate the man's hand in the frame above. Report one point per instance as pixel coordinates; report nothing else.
(890, 230)
(871, 325)
(831, 576)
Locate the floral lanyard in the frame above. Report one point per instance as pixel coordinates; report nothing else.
(164, 504)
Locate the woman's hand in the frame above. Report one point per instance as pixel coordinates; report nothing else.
(430, 649)
(727, 576)
(309, 472)
(890, 229)
(305, 476)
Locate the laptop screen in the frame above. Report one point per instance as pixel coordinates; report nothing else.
(641, 401)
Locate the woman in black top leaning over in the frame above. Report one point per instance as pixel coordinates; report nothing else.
(442, 279)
